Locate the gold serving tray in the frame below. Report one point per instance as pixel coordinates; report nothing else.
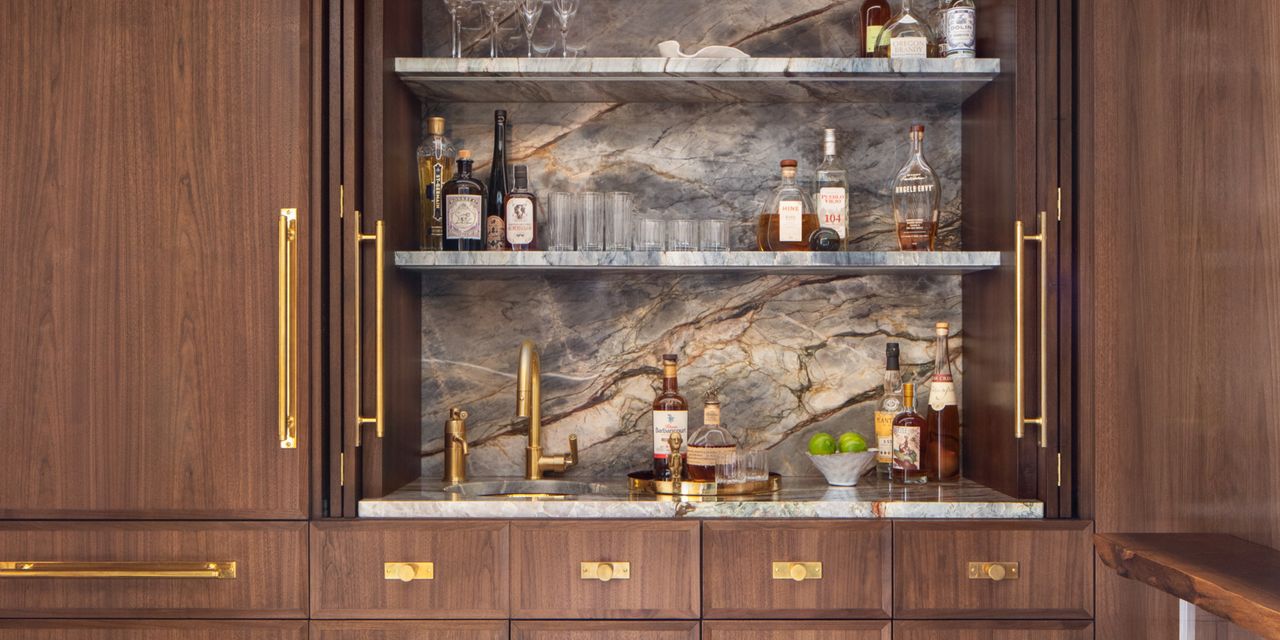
(643, 482)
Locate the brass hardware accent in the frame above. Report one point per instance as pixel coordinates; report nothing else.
(287, 328)
(605, 571)
(643, 482)
(378, 237)
(1059, 469)
(529, 405)
(1019, 358)
(127, 569)
(1059, 204)
(797, 571)
(675, 461)
(994, 571)
(342, 469)
(455, 446)
(409, 571)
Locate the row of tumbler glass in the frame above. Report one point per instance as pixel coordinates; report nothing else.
(593, 221)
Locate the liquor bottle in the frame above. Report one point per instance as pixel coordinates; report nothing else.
(890, 406)
(521, 212)
(871, 20)
(959, 29)
(915, 198)
(942, 422)
(710, 444)
(463, 209)
(670, 415)
(435, 167)
(788, 218)
(832, 183)
(908, 430)
(495, 222)
(906, 36)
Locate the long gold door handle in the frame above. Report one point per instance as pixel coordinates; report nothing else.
(1019, 358)
(206, 570)
(378, 237)
(287, 329)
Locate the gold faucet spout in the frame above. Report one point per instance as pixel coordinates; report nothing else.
(529, 405)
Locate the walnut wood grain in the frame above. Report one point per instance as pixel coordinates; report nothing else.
(635, 630)
(410, 630)
(930, 565)
(471, 569)
(795, 630)
(993, 630)
(151, 145)
(737, 578)
(271, 561)
(545, 569)
(151, 630)
(1224, 575)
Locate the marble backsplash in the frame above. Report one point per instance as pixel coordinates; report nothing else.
(791, 354)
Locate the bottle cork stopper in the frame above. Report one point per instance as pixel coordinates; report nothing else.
(464, 154)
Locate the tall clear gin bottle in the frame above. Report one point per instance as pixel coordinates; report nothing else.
(832, 187)
(915, 197)
(436, 158)
(906, 36)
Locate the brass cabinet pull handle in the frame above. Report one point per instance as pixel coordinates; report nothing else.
(1019, 359)
(797, 571)
(287, 330)
(994, 571)
(206, 570)
(605, 571)
(378, 237)
(409, 571)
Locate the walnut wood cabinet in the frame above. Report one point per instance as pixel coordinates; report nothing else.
(410, 630)
(992, 630)
(647, 630)
(796, 630)
(151, 630)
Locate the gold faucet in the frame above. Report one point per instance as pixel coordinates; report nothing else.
(529, 405)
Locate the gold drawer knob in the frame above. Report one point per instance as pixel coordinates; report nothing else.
(797, 571)
(994, 571)
(409, 571)
(605, 571)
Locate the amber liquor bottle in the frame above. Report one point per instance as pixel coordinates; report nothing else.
(435, 168)
(789, 218)
(908, 434)
(872, 18)
(463, 209)
(942, 422)
(670, 415)
(915, 198)
(710, 445)
(521, 212)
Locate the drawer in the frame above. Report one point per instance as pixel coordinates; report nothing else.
(848, 567)
(658, 580)
(410, 630)
(270, 578)
(992, 630)
(1054, 577)
(151, 630)
(468, 575)
(795, 630)
(642, 630)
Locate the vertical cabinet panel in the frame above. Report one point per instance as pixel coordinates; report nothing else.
(155, 143)
(410, 630)
(604, 630)
(796, 630)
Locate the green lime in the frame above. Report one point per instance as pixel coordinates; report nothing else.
(852, 442)
(822, 444)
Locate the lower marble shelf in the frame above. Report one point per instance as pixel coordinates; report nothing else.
(800, 497)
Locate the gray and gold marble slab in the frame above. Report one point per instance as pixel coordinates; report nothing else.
(800, 497)
(837, 262)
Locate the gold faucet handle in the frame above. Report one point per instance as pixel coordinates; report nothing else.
(571, 458)
(462, 443)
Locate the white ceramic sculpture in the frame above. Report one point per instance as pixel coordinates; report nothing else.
(671, 49)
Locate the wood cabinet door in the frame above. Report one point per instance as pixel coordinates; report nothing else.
(637, 630)
(410, 630)
(151, 630)
(796, 630)
(150, 146)
(992, 630)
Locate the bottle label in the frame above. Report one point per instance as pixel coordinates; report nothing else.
(519, 221)
(942, 391)
(958, 25)
(909, 47)
(873, 34)
(666, 423)
(884, 436)
(495, 233)
(833, 204)
(906, 448)
(711, 414)
(708, 456)
(790, 221)
(437, 185)
(463, 213)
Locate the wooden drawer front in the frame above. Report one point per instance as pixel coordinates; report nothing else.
(529, 630)
(1054, 569)
(469, 563)
(990, 630)
(547, 582)
(270, 580)
(151, 630)
(738, 579)
(414, 630)
(795, 630)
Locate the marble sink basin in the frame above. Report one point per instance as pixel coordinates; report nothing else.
(524, 488)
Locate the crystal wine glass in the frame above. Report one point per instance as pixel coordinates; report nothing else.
(530, 13)
(454, 6)
(565, 10)
(491, 9)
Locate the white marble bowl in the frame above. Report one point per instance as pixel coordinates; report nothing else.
(844, 469)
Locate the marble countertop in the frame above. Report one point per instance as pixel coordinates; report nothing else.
(800, 497)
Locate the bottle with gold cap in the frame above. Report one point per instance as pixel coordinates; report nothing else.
(435, 168)
(908, 434)
(942, 430)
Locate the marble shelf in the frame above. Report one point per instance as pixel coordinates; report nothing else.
(758, 80)
(764, 262)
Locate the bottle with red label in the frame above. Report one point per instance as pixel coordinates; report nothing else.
(942, 423)
(670, 415)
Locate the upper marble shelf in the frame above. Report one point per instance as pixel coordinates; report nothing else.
(796, 263)
(759, 80)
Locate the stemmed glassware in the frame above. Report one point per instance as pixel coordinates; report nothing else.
(565, 10)
(530, 13)
(454, 6)
(491, 9)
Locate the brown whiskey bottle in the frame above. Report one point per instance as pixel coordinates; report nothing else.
(670, 415)
(710, 445)
(942, 422)
(908, 434)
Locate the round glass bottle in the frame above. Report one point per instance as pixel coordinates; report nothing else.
(710, 445)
